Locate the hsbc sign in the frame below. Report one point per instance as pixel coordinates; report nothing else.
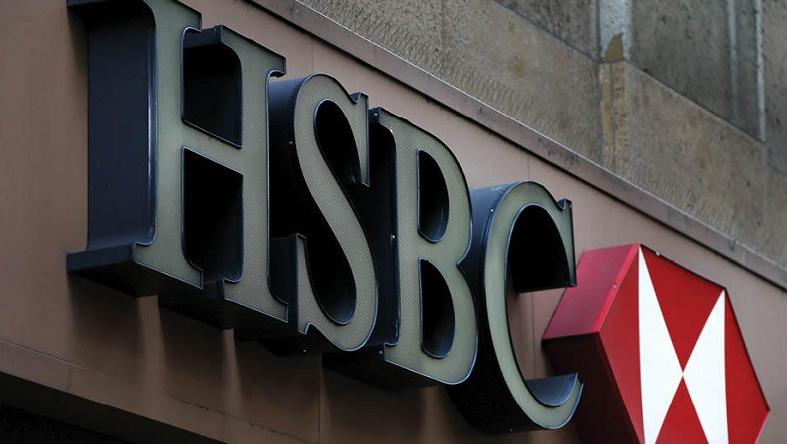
(660, 350)
(289, 211)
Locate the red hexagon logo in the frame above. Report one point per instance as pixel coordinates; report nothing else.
(660, 351)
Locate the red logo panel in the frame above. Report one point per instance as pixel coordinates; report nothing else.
(660, 351)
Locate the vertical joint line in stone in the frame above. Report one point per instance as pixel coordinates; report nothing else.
(759, 69)
(732, 36)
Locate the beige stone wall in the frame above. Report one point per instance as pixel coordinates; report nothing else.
(684, 99)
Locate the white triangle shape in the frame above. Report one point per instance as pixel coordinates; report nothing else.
(706, 379)
(659, 367)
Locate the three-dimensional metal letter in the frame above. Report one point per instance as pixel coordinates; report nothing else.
(522, 241)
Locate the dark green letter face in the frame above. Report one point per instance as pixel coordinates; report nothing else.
(437, 325)
(178, 161)
(319, 157)
(522, 241)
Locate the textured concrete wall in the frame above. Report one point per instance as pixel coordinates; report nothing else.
(705, 50)
(685, 98)
(701, 164)
(775, 70)
(491, 53)
(573, 21)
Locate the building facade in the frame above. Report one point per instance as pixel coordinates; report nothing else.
(653, 138)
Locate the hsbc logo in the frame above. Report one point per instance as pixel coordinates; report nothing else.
(664, 345)
(693, 385)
